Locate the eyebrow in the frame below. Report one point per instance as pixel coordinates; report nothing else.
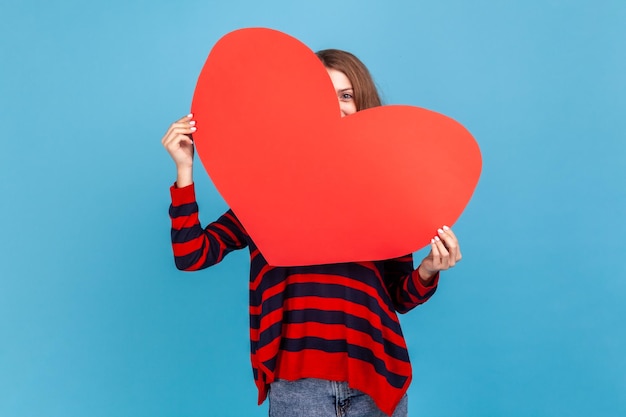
(345, 89)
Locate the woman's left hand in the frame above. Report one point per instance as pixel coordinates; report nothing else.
(444, 254)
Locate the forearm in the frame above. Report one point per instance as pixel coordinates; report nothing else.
(196, 247)
(190, 243)
(414, 290)
(184, 176)
(407, 286)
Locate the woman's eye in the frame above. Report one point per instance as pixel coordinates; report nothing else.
(346, 97)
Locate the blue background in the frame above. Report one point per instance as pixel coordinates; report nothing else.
(96, 321)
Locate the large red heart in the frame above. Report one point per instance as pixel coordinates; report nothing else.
(309, 186)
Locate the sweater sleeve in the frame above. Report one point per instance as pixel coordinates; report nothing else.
(404, 285)
(196, 247)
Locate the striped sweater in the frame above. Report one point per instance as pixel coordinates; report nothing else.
(335, 322)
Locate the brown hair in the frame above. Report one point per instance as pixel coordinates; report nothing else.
(365, 92)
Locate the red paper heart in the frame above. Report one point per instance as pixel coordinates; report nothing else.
(309, 186)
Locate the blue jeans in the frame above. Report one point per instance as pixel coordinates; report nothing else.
(320, 398)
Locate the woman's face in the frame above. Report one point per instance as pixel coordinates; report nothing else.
(344, 90)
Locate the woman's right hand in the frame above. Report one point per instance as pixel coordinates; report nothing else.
(179, 144)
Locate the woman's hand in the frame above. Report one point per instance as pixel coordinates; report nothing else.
(179, 144)
(444, 254)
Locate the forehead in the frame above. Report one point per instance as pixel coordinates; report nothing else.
(339, 79)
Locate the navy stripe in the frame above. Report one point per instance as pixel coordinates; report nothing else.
(354, 272)
(404, 303)
(256, 266)
(183, 210)
(270, 334)
(271, 278)
(413, 290)
(341, 346)
(352, 322)
(231, 226)
(366, 275)
(186, 234)
(345, 293)
(397, 268)
(187, 261)
(275, 302)
(213, 255)
(271, 364)
(325, 291)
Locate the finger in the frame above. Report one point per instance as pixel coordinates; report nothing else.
(451, 242)
(458, 246)
(448, 231)
(178, 142)
(450, 245)
(446, 234)
(435, 255)
(443, 250)
(183, 120)
(186, 118)
(444, 255)
(434, 249)
(183, 127)
(182, 123)
(176, 133)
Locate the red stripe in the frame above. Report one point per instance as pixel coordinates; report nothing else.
(266, 353)
(267, 321)
(254, 253)
(219, 242)
(182, 222)
(353, 337)
(230, 234)
(185, 248)
(308, 364)
(321, 279)
(346, 282)
(183, 195)
(259, 277)
(202, 259)
(404, 297)
(421, 288)
(236, 221)
(337, 304)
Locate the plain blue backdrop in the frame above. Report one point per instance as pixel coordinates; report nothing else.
(96, 321)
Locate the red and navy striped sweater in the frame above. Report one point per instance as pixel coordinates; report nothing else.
(335, 322)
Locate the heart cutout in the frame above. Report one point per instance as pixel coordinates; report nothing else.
(309, 186)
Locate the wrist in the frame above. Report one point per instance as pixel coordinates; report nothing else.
(425, 275)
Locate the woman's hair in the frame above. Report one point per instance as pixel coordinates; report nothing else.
(365, 92)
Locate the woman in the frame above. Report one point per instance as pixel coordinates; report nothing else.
(325, 339)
